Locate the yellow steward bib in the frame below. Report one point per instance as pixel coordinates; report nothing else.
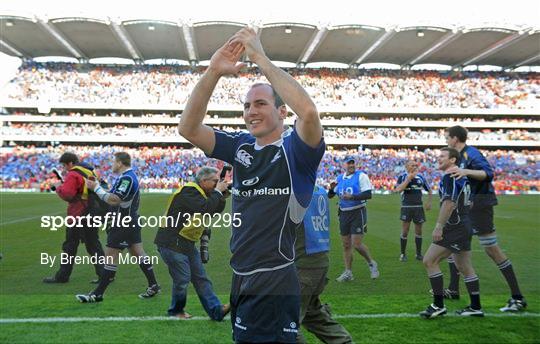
(190, 232)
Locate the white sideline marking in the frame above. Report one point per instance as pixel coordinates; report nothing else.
(28, 218)
(199, 318)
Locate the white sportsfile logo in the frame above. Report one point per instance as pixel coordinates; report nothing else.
(243, 157)
(249, 182)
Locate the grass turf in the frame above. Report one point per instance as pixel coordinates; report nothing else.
(402, 287)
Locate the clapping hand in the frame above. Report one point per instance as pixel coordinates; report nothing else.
(225, 59)
(247, 37)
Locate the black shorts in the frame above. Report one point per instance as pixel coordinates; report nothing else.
(414, 214)
(353, 221)
(482, 220)
(456, 238)
(122, 238)
(265, 306)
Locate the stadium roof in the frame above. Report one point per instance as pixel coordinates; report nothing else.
(300, 43)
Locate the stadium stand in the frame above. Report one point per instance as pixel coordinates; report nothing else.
(414, 108)
(87, 84)
(166, 167)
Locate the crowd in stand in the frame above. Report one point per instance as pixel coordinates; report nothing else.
(166, 168)
(49, 130)
(386, 118)
(144, 84)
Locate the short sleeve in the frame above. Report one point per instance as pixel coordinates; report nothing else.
(365, 183)
(425, 184)
(227, 143)
(304, 161)
(479, 162)
(450, 189)
(125, 188)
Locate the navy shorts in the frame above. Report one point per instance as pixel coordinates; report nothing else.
(122, 238)
(456, 238)
(353, 221)
(265, 306)
(482, 220)
(414, 214)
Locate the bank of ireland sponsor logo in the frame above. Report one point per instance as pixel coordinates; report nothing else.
(250, 182)
(243, 157)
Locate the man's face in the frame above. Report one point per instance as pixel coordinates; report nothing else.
(209, 183)
(117, 166)
(260, 114)
(350, 166)
(450, 141)
(67, 167)
(444, 160)
(411, 166)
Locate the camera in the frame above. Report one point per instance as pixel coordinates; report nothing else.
(226, 168)
(205, 240)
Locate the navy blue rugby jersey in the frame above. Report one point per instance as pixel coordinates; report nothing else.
(459, 192)
(483, 192)
(127, 188)
(412, 195)
(272, 189)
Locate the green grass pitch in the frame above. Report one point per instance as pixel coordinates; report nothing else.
(401, 288)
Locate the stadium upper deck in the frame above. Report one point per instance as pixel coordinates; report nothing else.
(349, 43)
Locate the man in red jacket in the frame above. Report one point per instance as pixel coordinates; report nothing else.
(73, 190)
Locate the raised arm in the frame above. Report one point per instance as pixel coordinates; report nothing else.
(308, 125)
(403, 185)
(223, 62)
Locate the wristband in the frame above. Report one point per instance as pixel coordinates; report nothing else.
(101, 193)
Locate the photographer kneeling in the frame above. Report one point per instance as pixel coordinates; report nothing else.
(176, 244)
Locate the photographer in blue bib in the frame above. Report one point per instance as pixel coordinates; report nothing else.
(353, 189)
(176, 244)
(312, 246)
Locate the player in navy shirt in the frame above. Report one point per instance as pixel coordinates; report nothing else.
(273, 180)
(411, 184)
(480, 173)
(452, 235)
(124, 231)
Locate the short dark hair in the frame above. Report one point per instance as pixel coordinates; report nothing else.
(277, 99)
(68, 157)
(457, 131)
(452, 153)
(123, 157)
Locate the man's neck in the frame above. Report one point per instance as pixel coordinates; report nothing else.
(449, 167)
(460, 146)
(270, 138)
(123, 169)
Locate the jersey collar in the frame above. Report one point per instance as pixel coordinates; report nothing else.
(276, 143)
